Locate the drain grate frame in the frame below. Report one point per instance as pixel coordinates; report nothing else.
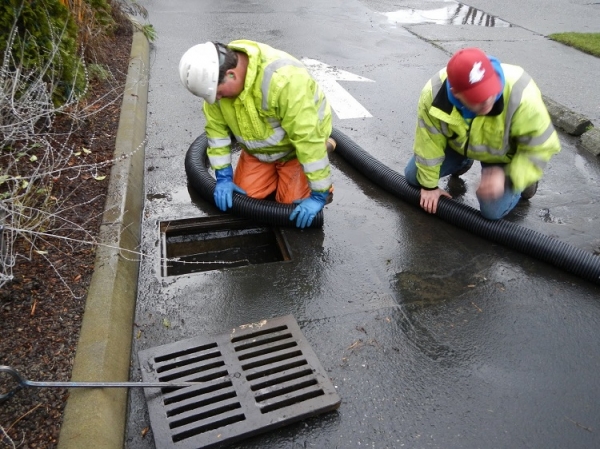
(256, 378)
(194, 245)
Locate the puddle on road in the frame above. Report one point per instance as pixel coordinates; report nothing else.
(453, 13)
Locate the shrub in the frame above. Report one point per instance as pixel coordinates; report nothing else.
(41, 36)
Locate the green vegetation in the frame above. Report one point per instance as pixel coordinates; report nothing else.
(53, 53)
(43, 35)
(586, 42)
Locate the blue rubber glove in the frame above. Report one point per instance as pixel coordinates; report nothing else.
(225, 187)
(308, 208)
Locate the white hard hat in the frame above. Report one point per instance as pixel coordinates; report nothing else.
(199, 71)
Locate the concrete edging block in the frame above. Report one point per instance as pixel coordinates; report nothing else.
(96, 417)
(590, 141)
(570, 122)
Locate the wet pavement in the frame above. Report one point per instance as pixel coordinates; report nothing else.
(432, 337)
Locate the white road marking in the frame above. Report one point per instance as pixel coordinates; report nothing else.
(344, 104)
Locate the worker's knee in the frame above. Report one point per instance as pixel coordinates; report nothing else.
(410, 172)
(494, 210)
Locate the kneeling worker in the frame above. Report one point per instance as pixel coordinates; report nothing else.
(275, 110)
(479, 109)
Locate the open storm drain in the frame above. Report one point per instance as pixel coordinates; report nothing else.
(258, 377)
(214, 243)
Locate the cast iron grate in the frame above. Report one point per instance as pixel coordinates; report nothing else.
(258, 377)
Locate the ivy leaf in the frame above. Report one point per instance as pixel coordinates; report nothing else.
(33, 158)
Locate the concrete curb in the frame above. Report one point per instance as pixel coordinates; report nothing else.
(97, 417)
(590, 141)
(574, 124)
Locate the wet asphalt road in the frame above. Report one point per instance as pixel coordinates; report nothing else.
(433, 337)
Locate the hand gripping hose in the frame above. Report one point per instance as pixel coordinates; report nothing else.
(532, 243)
(263, 211)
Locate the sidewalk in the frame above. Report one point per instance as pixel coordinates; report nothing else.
(100, 415)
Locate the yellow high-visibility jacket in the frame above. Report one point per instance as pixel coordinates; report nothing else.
(517, 132)
(281, 114)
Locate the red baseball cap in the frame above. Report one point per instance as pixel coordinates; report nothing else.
(471, 74)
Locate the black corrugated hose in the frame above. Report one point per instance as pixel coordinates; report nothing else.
(264, 211)
(532, 243)
(553, 251)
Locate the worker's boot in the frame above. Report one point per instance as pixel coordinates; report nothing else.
(330, 144)
(529, 191)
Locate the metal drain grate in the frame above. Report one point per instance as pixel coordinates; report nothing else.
(259, 377)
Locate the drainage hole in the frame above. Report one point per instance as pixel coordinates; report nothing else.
(187, 394)
(194, 370)
(292, 401)
(285, 390)
(269, 350)
(208, 414)
(203, 403)
(180, 363)
(279, 358)
(258, 333)
(276, 370)
(208, 427)
(206, 378)
(263, 342)
(282, 379)
(188, 351)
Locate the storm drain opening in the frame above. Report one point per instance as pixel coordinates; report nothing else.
(258, 377)
(214, 243)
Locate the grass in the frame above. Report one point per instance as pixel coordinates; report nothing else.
(586, 42)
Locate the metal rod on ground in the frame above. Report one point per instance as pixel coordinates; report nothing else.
(22, 382)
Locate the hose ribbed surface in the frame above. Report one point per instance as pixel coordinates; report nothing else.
(263, 211)
(558, 253)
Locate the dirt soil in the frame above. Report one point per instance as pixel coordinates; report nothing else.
(41, 310)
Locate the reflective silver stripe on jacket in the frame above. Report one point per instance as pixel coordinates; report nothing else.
(273, 140)
(537, 162)
(323, 101)
(219, 161)
(219, 142)
(320, 185)
(271, 157)
(316, 165)
(436, 85)
(270, 69)
(539, 140)
(430, 129)
(429, 162)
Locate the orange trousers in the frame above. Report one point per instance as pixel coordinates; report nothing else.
(260, 179)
